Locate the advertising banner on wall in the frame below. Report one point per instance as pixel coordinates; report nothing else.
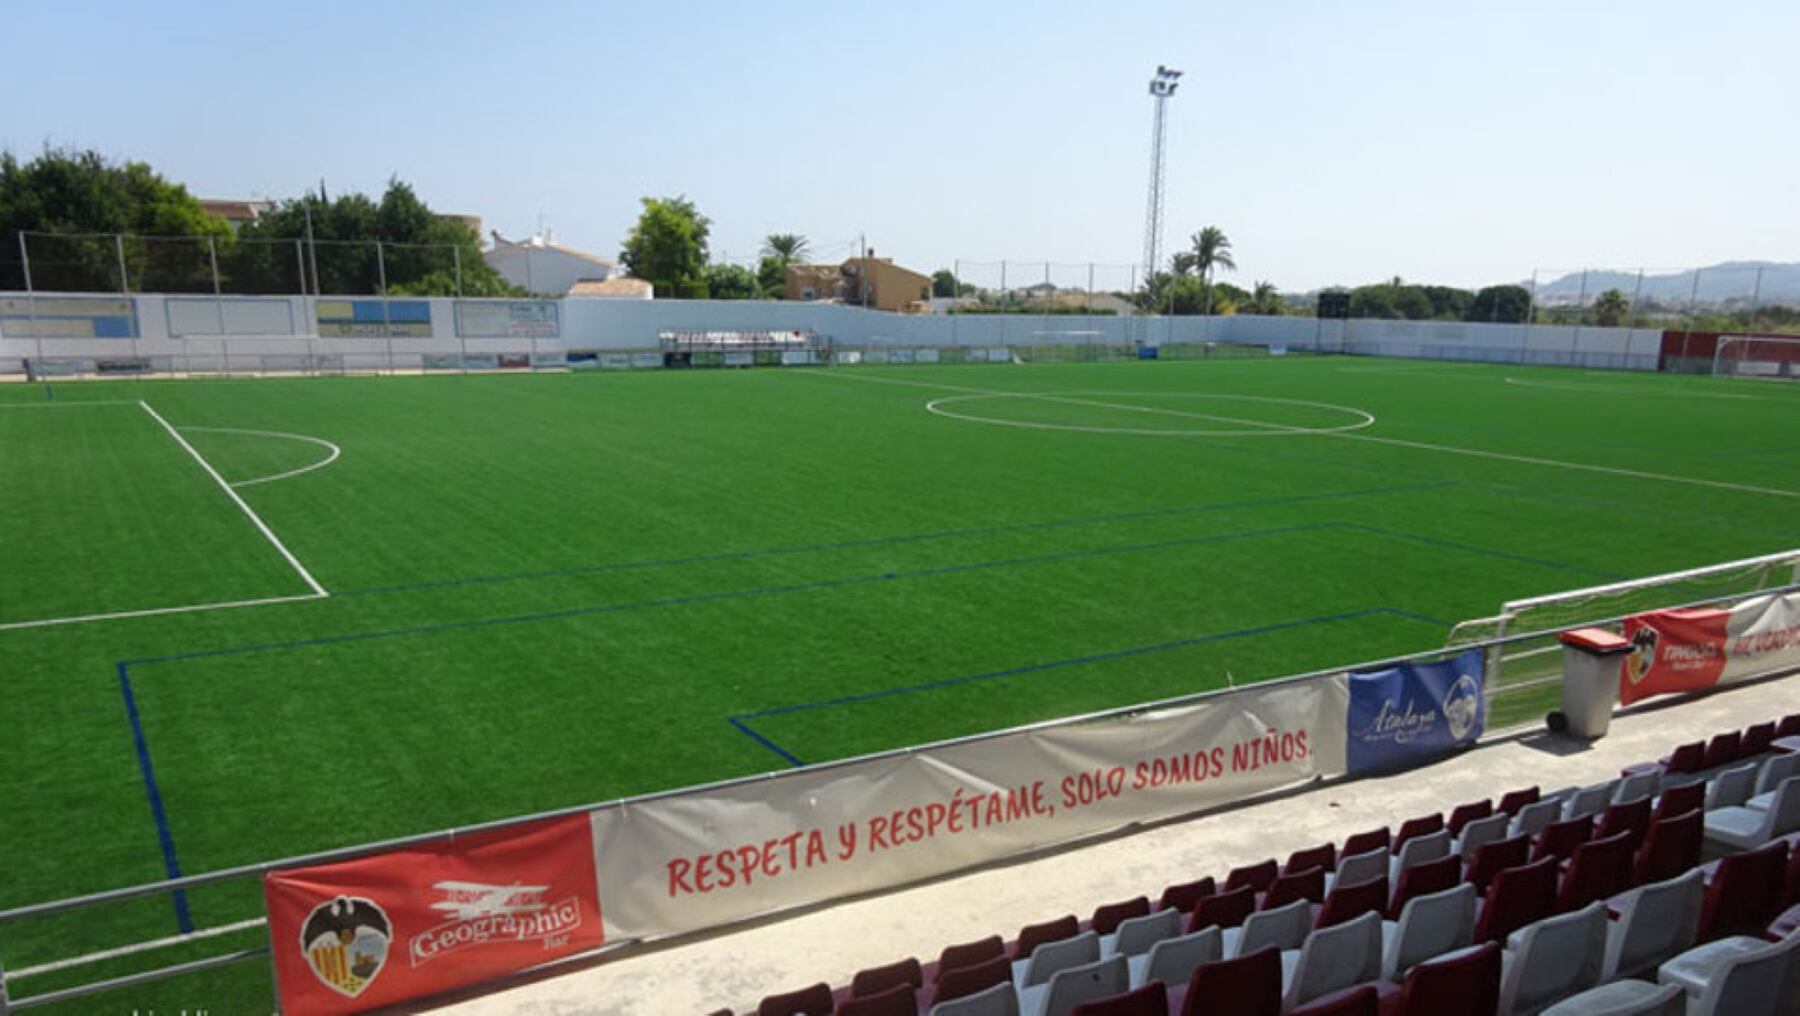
(1416, 712)
(378, 930)
(1693, 650)
(698, 860)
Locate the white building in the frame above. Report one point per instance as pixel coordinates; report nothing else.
(542, 265)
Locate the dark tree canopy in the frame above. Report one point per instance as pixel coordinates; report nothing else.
(667, 247)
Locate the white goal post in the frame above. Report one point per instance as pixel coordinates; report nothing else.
(1548, 614)
(1757, 356)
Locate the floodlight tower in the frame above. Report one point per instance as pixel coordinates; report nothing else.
(1162, 88)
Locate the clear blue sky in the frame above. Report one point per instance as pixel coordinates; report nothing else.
(1334, 142)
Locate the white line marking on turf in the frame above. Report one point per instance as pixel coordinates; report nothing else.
(48, 404)
(321, 442)
(193, 608)
(1651, 390)
(1081, 399)
(255, 519)
(131, 950)
(1423, 446)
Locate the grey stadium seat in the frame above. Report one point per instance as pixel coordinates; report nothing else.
(1332, 958)
(1548, 961)
(1655, 923)
(1429, 926)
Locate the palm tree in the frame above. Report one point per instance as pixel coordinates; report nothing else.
(1265, 299)
(1212, 249)
(785, 247)
(1182, 262)
(1611, 307)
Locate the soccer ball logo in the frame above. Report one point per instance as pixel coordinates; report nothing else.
(1462, 706)
(345, 942)
(1643, 654)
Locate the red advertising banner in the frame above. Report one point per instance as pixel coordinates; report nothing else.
(374, 931)
(1673, 651)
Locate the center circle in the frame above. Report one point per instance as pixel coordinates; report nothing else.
(1238, 422)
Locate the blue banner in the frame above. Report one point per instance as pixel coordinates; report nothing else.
(1415, 712)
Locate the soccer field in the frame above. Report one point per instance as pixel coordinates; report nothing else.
(248, 619)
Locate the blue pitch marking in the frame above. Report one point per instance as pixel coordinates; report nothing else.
(164, 838)
(742, 720)
(883, 541)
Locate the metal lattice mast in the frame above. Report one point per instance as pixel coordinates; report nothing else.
(1162, 87)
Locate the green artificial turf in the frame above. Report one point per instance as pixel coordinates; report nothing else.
(550, 590)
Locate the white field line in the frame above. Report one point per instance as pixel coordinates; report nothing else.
(334, 450)
(255, 519)
(1082, 399)
(47, 404)
(131, 950)
(193, 608)
(1636, 474)
(1624, 390)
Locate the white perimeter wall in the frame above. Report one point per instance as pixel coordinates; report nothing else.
(189, 325)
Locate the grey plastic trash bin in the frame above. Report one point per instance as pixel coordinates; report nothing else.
(1590, 688)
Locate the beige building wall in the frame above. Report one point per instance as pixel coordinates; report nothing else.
(889, 286)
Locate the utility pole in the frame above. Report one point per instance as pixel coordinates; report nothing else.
(1162, 88)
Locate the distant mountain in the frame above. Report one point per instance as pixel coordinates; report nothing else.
(1729, 282)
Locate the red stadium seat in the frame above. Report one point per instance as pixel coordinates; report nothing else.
(1490, 858)
(1226, 909)
(1514, 800)
(1423, 880)
(1424, 825)
(1680, 800)
(1107, 919)
(1599, 869)
(1256, 876)
(1632, 818)
(1671, 847)
(1722, 750)
(1362, 1000)
(1468, 985)
(1185, 895)
(898, 1000)
(1322, 856)
(1463, 814)
(959, 981)
(876, 980)
(1304, 885)
(970, 953)
(1518, 897)
(1744, 894)
(1559, 839)
(1246, 986)
(1347, 901)
(813, 1001)
(1150, 1000)
(1033, 935)
(1362, 843)
(1757, 739)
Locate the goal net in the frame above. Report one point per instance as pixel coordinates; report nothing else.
(1530, 660)
(1757, 356)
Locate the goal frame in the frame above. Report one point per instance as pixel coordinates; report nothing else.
(1787, 367)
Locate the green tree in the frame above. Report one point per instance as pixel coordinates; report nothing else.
(421, 252)
(1182, 262)
(1611, 307)
(944, 283)
(1212, 251)
(789, 247)
(732, 282)
(65, 191)
(1500, 304)
(771, 276)
(667, 246)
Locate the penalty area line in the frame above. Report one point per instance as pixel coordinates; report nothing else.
(230, 492)
(194, 608)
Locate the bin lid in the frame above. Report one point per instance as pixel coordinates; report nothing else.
(1595, 640)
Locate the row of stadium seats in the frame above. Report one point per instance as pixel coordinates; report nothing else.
(1685, 871)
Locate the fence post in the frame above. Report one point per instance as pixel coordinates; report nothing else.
(955, 294)
(119, 252)
(212, 253)
(1687, 336)
(1002, 301)
(456, 256)
(30, 297)
(387, 322)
